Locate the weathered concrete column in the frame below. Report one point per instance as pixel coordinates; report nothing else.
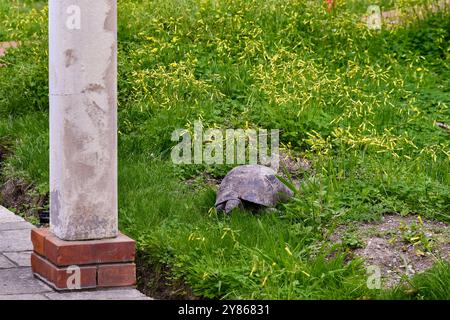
(83, 139)
(83, 248)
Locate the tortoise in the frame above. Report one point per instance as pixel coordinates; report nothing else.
(251, 185)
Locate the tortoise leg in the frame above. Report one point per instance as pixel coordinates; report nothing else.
(232, 204)
(220, 207)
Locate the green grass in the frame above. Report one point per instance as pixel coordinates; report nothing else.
(430, 285)
(360, 105)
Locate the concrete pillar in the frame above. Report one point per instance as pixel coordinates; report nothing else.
(83, 119)
(83, 248)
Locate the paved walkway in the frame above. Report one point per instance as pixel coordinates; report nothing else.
(16, 279)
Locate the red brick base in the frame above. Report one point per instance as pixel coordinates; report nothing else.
(98, 263)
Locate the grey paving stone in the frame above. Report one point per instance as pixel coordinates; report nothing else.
(17, 281)
(13, 297)
(8, 216)
(15, 240)
(110, 294)
(15, 226)
(20, 281)
(22, 259)
(5, 263)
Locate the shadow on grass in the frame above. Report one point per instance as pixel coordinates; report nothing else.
(154, 280)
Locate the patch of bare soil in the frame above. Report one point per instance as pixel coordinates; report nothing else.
(398, 245)
(20, 196)
(3, 153)
(156, 282)
(205, 178)
(4, 46)
(418, 12)
(444, 126)
(295, 167)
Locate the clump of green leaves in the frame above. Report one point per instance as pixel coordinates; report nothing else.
(351, 240)
(415, 234)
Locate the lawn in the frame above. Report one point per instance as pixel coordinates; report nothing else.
(360, 105)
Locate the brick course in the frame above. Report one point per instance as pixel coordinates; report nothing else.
(102, 263)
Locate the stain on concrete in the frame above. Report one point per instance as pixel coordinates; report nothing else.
(75, 139)
(55, 207)
(111, 16)
(97, 115)
(70, 58)
(94, 87)
(84, 171)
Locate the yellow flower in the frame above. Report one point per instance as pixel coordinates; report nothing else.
(288, 250)
(420, 220)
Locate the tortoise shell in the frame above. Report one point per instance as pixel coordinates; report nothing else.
(254, 184)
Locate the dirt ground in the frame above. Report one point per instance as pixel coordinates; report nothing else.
(155, 281)
(294, 165)
(2, 154)
(400, 246)
(20, 196)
